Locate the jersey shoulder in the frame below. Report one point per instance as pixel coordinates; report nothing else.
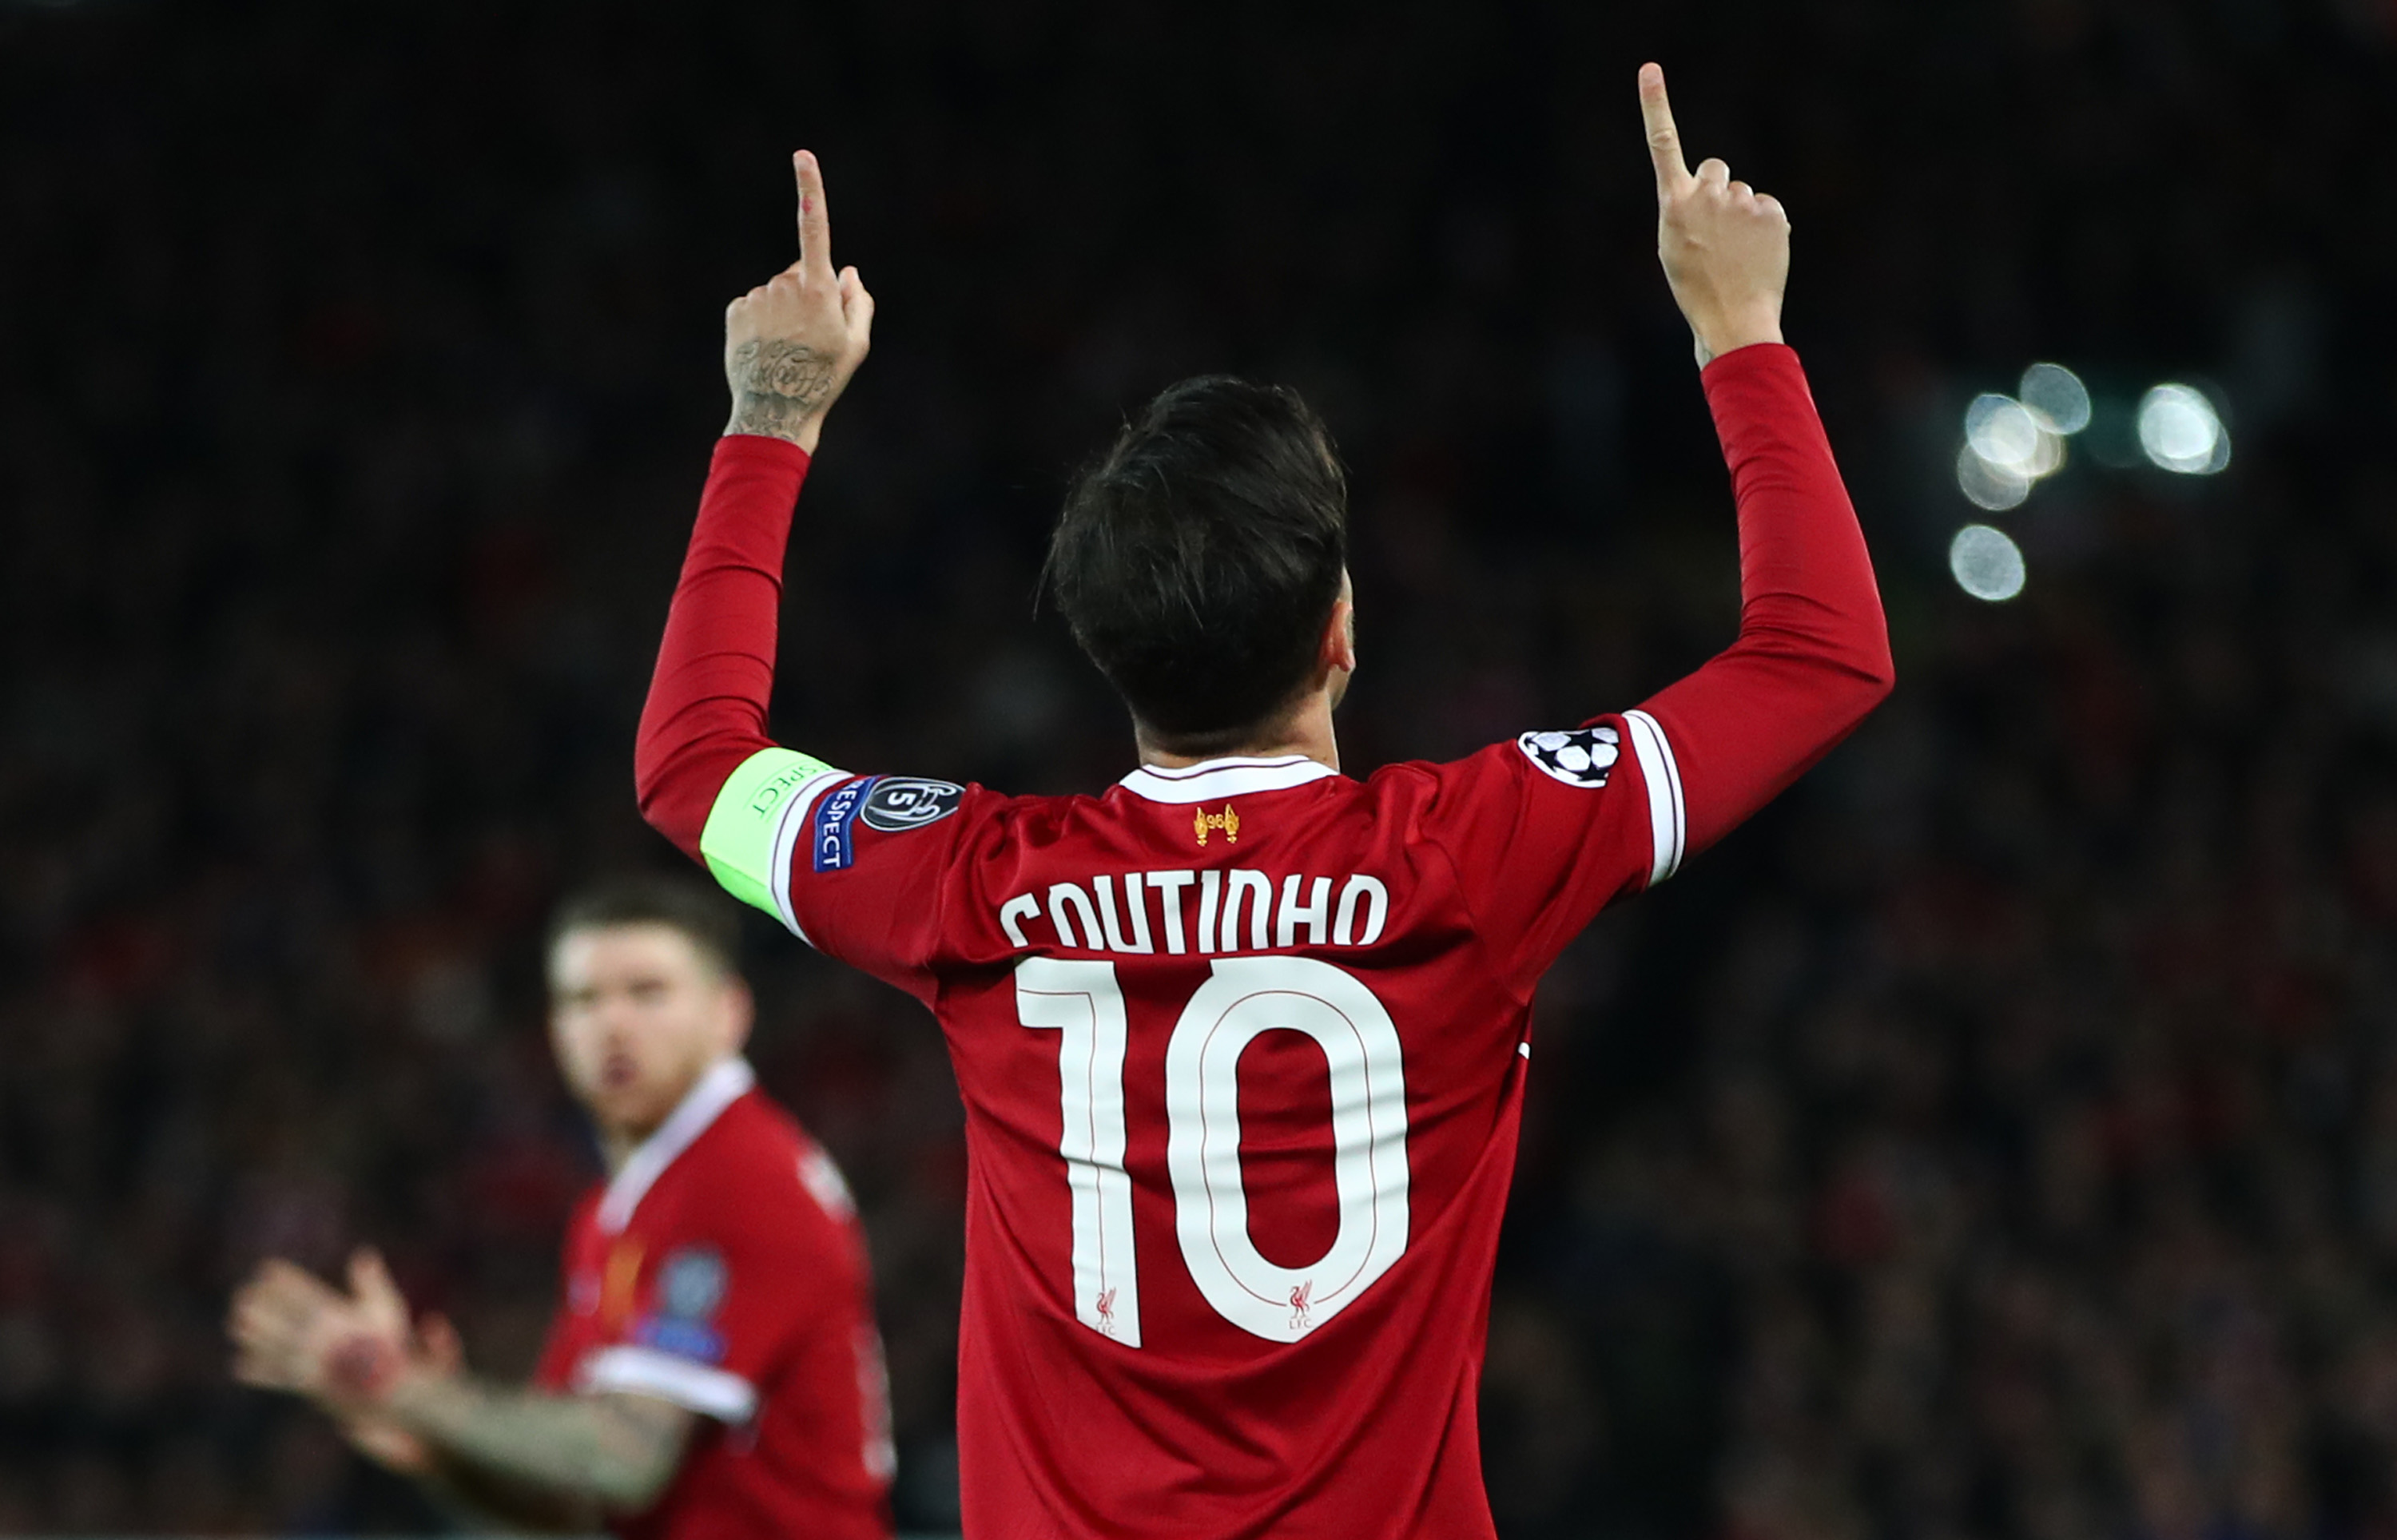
(757, 1172)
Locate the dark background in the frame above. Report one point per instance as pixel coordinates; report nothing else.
(1998, 1138)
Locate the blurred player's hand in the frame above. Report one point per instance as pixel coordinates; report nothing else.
(1725, 246)
(288, 1326)
(432, 1348)
(791, 343)
(293, 1331)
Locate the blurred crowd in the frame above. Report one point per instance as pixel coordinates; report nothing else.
(1998, 1138)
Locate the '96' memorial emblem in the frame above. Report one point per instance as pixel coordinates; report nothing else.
(904, 801)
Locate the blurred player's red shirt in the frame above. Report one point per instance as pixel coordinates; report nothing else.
(723, 1270)
(1243, 1046)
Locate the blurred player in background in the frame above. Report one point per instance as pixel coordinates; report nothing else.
(714, 1369)
(1242, 1042)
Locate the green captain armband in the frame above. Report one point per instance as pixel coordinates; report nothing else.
(741, 828)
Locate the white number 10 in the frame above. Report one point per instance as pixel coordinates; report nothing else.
(1244, 997)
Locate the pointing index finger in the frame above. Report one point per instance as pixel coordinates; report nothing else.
(815, 224)
(1664, 140)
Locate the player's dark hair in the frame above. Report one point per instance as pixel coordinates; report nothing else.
(1199, 558)
(705, 921)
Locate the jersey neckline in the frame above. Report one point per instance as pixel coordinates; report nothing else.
(1210, 780)
(725, 1082)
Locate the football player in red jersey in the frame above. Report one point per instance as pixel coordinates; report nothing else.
(713, 1370)
(1242, 1041)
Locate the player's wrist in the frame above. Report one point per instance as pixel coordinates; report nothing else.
(761, 415)
(1734, 333)
(412, 1399)
(357, 1377)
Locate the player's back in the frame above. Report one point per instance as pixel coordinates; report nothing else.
(1242, 1051)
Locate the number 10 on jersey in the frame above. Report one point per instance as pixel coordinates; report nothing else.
(1242, 998)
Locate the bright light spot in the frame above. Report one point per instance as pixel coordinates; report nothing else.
(2048, 458)
(1987, 485)
(2003, 432)
(2056, 394)
(1987, 564)
(2007, 448)
(2181, 433)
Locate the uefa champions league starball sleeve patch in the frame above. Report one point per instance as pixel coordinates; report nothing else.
(1582, 756)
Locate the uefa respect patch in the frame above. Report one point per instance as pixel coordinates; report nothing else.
(1582, 756)
(835, 847)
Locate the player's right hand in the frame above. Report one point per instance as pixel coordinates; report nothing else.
(294, 1331)
(791, 343)
(1725, 246)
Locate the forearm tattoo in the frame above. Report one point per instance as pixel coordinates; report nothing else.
(617, 1449)
(777, 386)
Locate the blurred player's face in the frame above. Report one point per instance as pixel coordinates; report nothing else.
(637, 1014)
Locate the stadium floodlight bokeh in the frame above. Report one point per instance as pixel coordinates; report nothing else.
(2011, 437)
(2011, 446)
(1987, 562)
(2014, 443)
(1987, 484)
(2056, 395)
(2181, 432)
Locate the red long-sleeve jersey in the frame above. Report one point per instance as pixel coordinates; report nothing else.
(1243, 1046)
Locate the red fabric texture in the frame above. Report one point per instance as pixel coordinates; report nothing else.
(706, 707)
(1812, 653)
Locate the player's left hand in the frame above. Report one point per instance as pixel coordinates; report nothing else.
(791, 344)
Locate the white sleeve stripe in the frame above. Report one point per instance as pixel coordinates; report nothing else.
(1668, 823)
(1681, 808)
(716, 1393)
(788, 831)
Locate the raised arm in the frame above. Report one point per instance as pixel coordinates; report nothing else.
(1813, 655)
(790, 346)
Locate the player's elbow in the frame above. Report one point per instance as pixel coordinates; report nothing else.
(1854, 649)
(1846, 669)
(1878, 674)
(672, 801)
(652, 763)
(1868, 674)
(650, 794)
(1851, 677)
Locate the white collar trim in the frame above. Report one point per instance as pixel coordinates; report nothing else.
(725, 1082)
(1213, 779)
